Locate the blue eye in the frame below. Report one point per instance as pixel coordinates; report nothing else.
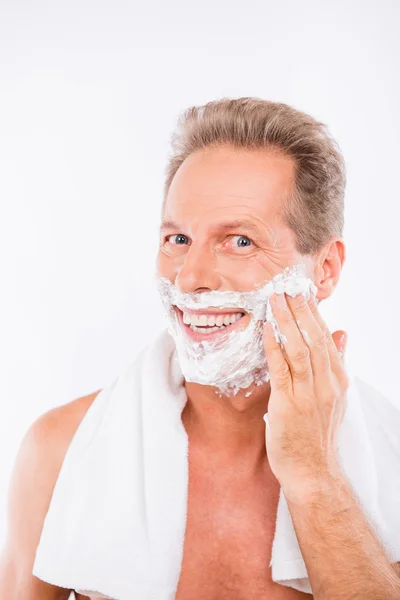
(243, 241)
(180, 239)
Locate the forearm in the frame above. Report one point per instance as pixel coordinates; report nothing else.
(343, 555)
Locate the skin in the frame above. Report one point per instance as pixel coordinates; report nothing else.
(35, 472)
(210, 188)
(307, 393)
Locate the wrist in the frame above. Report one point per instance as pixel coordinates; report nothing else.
(310, 489)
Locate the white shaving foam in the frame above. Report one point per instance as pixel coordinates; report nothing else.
(236, 359)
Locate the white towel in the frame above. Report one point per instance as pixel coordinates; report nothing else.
(117, 516)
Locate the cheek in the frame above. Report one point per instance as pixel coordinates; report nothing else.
(161, 264)
(247, 276)
(165, 265)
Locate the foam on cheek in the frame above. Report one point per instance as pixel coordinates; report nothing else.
(236, 359)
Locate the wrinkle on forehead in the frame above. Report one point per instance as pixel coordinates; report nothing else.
(258, 177)
(222, 184)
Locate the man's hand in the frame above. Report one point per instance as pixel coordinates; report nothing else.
(308, 396)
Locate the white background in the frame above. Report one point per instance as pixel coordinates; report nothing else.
(89, 95)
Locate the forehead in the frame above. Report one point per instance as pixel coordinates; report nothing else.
(224, 181)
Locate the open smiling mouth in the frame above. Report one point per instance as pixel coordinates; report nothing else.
(201, 324)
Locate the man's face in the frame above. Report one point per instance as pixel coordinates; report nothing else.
(223, 240)
(222, 227)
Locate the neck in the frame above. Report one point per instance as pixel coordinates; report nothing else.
(232, 428)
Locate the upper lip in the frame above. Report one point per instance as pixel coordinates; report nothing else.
(210, 311)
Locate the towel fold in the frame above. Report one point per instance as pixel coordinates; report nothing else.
(116, 521)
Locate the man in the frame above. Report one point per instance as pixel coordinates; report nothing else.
(252, 188)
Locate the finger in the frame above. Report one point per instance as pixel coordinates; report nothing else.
(280, 375)
(335, 357)
(296, 350)
(314, 337)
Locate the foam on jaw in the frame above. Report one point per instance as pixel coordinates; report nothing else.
(236, 359)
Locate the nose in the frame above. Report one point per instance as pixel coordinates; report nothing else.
(198, 272)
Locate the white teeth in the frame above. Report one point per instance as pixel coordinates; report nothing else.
(219, 321)
(210, 321)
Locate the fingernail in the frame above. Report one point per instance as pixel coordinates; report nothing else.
(266, 421)
(342, 342)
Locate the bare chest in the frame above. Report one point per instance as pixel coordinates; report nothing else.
(228, 541)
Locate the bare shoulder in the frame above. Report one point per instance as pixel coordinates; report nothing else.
(58, 425)
(44, 445)
(36, 468)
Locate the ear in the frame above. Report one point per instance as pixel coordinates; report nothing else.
(328, 266)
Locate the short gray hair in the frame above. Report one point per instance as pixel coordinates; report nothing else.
(315, 209)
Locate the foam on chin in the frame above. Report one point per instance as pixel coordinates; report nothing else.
(236, 360)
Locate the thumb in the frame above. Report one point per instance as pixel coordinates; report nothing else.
(340, 338)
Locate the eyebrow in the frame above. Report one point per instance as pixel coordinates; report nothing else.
(169, 225)
(225, 226)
